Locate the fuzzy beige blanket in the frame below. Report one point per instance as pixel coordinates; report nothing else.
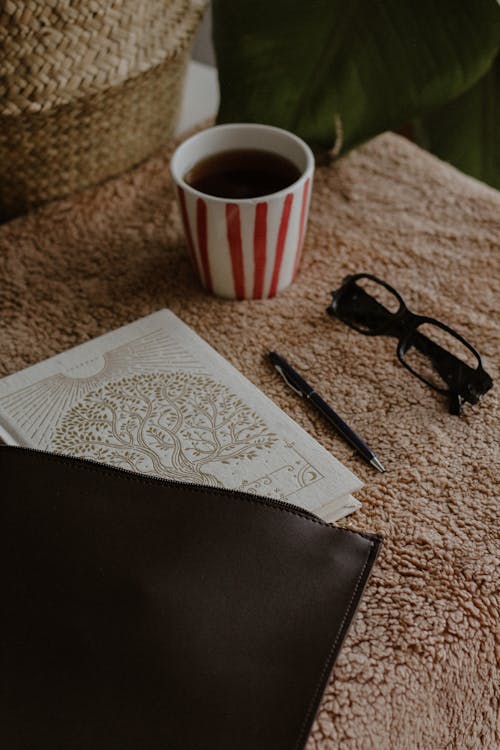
(418, 668)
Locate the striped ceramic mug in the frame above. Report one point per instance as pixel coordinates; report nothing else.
(244, 248)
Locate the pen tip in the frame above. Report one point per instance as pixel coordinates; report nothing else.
(376, 463)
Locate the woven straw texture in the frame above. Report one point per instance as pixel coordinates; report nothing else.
(418, 670)
(87, 89)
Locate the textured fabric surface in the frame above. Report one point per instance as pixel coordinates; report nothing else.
(418, 668)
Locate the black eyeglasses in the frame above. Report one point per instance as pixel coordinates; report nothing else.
(436, 354)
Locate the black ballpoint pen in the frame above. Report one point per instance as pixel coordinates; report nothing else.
(300, 386)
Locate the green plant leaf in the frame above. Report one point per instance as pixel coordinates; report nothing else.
(370, 65)
(466, 131)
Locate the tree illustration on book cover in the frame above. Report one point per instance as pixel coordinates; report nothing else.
(176, 425)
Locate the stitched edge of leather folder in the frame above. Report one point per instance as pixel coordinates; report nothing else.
(93, 466)
(373, 550)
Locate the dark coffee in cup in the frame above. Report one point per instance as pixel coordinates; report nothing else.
(242, 173)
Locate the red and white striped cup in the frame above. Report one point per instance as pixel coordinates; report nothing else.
(244, 248)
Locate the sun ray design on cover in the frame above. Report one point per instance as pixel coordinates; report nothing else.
(37, 408)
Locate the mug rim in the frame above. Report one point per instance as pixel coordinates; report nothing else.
(306, 172)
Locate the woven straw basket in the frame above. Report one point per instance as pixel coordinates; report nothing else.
(88, 88)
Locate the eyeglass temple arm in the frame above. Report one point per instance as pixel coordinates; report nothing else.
(455, 403)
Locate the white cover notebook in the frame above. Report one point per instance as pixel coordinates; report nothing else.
(153, 397)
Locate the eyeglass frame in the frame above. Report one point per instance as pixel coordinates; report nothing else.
(406, 321)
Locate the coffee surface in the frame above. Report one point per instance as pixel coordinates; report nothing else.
(242, 173)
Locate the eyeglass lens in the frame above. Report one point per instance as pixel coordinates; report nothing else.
(434, 354)
(368, 304)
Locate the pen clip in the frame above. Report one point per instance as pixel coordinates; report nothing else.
(278, 368)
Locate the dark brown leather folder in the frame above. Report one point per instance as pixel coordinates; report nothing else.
(139, 613)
